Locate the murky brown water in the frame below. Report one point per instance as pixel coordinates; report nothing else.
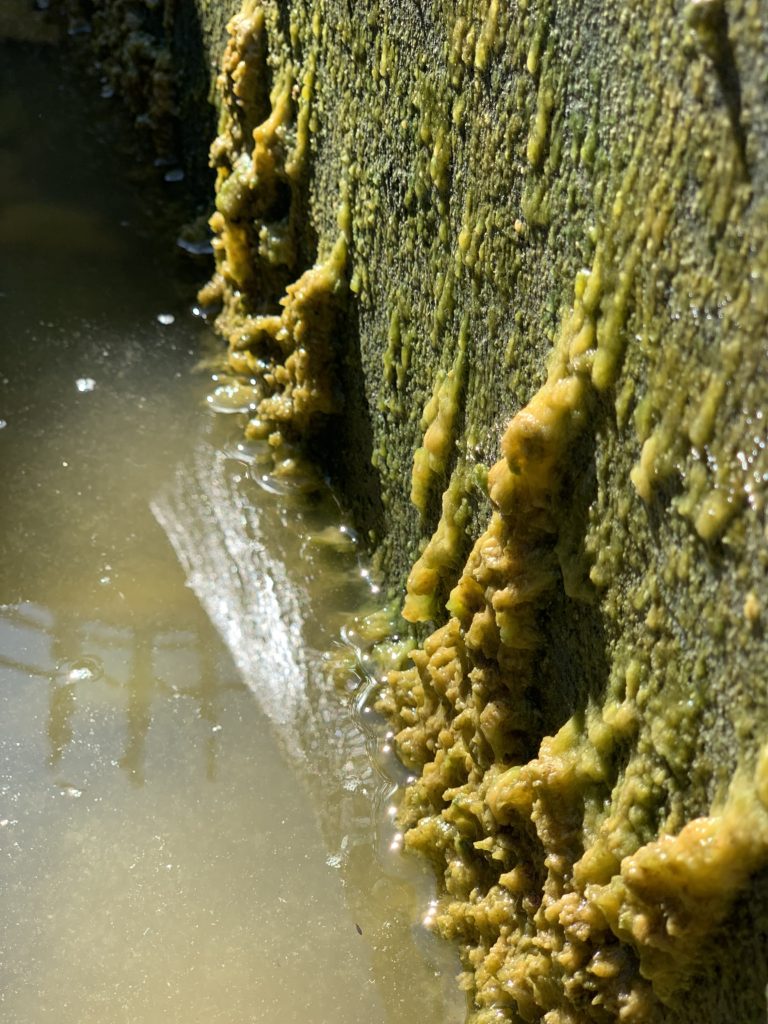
(195, 826)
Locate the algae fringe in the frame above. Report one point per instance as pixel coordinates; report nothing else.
(279, 321)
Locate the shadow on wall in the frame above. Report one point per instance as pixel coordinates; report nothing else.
(733, 989)
(345, 445)
(195, 77)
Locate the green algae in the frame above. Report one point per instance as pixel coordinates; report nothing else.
(260, 163)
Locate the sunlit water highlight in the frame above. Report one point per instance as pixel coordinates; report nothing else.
(195, 823)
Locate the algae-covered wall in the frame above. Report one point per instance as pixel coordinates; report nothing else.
(505, 266)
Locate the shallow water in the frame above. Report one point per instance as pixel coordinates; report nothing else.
(195, 824)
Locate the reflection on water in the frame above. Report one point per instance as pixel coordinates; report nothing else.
(137, 666)
(144, 664)
(192, 826)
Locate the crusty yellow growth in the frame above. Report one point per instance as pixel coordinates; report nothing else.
(559, 854)
(671, 893)
(299, 377)
(574, 896)
(279, 321)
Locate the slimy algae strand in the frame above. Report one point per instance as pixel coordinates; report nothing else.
(590, 187)
(438, 561)
(437, 421)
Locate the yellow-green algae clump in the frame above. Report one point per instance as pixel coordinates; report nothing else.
(544, 215)
(279, 322)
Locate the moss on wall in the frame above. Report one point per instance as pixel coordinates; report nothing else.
(553, 224)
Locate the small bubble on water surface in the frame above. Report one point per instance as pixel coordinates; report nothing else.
(3, 424)
(84, 384)
(175, 174)
(71, 791)
(166, 319)
(232, 397)
(84, 670)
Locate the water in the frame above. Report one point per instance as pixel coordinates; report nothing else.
(195, 823)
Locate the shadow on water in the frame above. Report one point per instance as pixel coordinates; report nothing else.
(72, 656)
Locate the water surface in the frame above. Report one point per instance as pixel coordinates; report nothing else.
(195, 824)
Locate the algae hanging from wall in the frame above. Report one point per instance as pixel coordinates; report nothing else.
(578, 880)
(278, 318)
